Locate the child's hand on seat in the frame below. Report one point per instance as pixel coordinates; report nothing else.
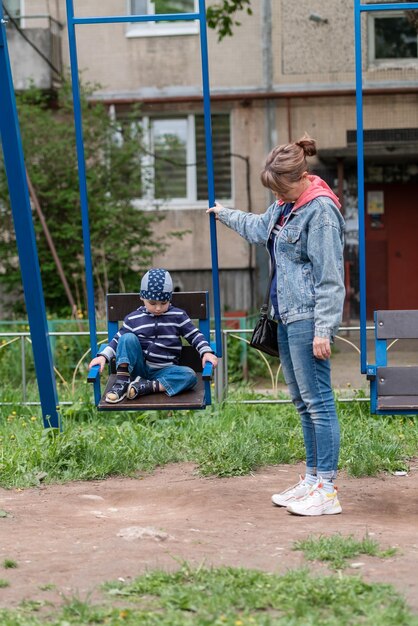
(98, 360)
(209, 357)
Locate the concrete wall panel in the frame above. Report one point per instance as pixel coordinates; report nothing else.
(130, 65)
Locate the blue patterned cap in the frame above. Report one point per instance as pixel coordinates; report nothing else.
(157, 285)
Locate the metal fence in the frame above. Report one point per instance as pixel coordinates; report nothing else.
(222, 383)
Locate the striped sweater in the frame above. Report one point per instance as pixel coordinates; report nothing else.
(160, 336)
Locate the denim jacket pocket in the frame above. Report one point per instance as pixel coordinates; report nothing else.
(308, 282)
(290, 242)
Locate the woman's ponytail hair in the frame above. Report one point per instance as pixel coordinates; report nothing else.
(286, 164)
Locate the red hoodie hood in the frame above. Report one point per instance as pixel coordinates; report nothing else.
(318, 187)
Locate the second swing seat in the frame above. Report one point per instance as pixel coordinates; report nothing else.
(394, 388)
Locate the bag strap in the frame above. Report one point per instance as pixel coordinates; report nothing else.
(265, 306)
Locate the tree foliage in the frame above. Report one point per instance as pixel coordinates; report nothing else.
(221, 15)
(122, 236)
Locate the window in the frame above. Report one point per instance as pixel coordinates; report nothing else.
(174, 160)
(161, 7)
(221, 149)
(169, 138)
(392, 36)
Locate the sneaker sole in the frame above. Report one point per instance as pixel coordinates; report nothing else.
(284, 504)
(313, 514)
(280, 505)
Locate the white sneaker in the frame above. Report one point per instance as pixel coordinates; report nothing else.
(292, 494)
(316, 502)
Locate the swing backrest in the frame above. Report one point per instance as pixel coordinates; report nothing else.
(397, 386)
(195, 303)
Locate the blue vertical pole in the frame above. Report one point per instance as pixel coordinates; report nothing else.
(358, 10)
(360, 183)
(209, 167)
(25, 238)
(83, 188)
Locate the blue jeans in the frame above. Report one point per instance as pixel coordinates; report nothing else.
(174, 378)
(309, 382)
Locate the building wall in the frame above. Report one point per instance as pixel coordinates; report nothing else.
(27, 36)
(301, 81)
(161, 67)
(328, 118)
(311, 54)
(307, 53)
(310, 88)
(145, 65)
(27, 67)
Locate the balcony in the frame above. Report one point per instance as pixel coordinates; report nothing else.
(34, 43)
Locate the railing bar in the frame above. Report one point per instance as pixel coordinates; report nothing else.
(85, 333)
(290, 401)
(55, 333)
(70, 403)
(250, 330)
(114, 19)
(389, 6)
(23, 360)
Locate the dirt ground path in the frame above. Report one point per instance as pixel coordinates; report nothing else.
(78, 535)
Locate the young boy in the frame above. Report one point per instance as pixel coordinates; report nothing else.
(148, 346)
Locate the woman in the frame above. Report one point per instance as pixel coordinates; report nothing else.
(303, 232)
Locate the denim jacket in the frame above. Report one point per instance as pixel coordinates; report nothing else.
(309, 258)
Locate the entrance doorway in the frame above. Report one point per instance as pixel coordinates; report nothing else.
(391, 246)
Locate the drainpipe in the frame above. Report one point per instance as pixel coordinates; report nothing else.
(267, 63)
(270, 137)
(289, 118)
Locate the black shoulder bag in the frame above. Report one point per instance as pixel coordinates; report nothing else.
(264, 337)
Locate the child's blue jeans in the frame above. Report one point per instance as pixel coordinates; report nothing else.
(174, 378)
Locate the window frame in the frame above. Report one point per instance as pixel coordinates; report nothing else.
(161, 29)
(191, 201)
(372, 61)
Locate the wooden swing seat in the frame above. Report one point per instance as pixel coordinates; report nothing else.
(197, 306)
(396, 386)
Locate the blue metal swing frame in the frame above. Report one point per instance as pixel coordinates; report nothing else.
(21, 208)
(25, 237)
(371, 370)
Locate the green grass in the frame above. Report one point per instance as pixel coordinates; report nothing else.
(336, 550)
(224, 440)
(227, 597)
(9, 564)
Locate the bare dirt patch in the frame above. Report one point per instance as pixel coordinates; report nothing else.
(78, 535)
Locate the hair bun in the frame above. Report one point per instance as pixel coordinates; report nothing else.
(307, 144)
